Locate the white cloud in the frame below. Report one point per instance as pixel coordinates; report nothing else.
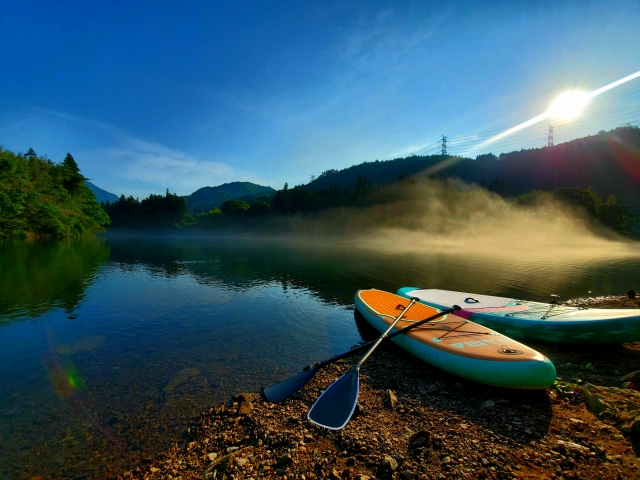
(118, 161)
(154, 163)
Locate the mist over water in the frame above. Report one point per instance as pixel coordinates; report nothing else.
(453, 217)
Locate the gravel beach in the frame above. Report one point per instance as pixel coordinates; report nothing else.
(414, 421)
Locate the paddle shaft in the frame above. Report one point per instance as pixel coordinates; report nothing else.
(364, 346)
(285, 389)
(386, 334)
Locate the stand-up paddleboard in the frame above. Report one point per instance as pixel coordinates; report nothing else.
(535, 321)
(457, 345)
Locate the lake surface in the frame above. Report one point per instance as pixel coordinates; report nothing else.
(110, 346)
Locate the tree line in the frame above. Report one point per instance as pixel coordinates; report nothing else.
(41, 198)
(170, 210)
(159, 211)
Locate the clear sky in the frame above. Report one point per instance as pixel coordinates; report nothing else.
(184, 94)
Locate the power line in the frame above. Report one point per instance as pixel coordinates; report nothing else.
(589, 108)
(598, 115)
(524, 137)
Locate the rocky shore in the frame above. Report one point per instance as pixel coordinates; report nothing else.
(414, 421)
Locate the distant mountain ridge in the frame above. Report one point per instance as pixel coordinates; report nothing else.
(609, 162)
(208, 198)
(100, 194)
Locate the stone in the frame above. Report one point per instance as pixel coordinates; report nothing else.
(231, 449)
(245, 408)
(389, 463)
(347, 473)
(446, 460)
(212, 456)
(247, 397)
(390, 399)
(407, 475)
(419, 442)
(179, 378)
(433, 389)
(570, 448)
(620, 405)
(488, 405)
(241, 461)
(285, 459)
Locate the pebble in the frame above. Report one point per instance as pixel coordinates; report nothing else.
(275, 440)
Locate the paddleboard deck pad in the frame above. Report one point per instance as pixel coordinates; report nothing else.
(457, 345)
(536, 321)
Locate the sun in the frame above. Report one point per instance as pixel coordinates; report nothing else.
(569, 105)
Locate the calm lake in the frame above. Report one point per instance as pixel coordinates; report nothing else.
(110, 346)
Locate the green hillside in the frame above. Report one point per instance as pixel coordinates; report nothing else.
(208, 198)
(40, 198)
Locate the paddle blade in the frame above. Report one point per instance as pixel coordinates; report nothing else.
(285, 389)
(334, 407)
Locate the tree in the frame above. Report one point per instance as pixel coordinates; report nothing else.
(231, 207)
(71, 176)
(487, 157)
(70, 164)
(584, 198)
(259, 208)
(39, 198)
(615, 215)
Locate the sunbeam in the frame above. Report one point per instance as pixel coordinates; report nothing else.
(567, 105)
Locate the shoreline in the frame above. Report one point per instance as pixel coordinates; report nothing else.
(414, 421)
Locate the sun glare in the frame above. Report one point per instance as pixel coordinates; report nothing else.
(569, 105)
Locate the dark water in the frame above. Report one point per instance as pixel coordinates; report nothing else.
(109, 346)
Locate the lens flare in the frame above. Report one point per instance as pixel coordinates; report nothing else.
(569, 105)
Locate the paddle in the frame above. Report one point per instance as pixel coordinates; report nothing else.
(287, 388)
(334, 407)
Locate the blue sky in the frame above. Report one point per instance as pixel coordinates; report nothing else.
(181, 95)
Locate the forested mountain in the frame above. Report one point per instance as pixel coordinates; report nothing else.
(209, 198)
(609, 162)
(40, 198)
(100, 194)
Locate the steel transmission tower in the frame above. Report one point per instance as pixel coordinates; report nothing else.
(444, 145)
(550, 139)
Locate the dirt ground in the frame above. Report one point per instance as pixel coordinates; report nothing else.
(414, 421)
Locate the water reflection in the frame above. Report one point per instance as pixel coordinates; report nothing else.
(163, 328)
(39, 275)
